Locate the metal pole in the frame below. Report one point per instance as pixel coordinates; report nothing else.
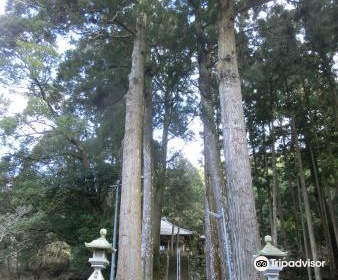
(177, 263)
(178, 259)
(227, 249)
(179, 255)
(113, 256)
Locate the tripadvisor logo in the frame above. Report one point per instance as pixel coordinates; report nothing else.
(262, 263)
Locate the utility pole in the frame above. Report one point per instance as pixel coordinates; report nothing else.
(113, 256)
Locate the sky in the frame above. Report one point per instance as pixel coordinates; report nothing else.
(2, 6)
(18, 102)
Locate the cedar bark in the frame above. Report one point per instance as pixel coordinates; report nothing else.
(214, 179)
(267, 179)
(274, 187)
(296, 217)
(209, 249)
(212, 260)
(129, 259)
(313, 244)
(147, 236)
(306, 248)
(242, 212)
(161, 181)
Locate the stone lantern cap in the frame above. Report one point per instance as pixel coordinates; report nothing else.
(269, 250)
(100, 243)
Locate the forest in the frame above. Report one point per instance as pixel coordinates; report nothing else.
(96, 96)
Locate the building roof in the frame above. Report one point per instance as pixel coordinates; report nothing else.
(167, 227)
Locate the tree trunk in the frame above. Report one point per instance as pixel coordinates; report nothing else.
(214, 245)
(147, 236)
(214, 176)
(293, 193)
(129, 259)
(161, 182)
(242, 212)
(280, 214)
(209, 249)
(167, 265)
(274, 187)
(267, 182)
(296, 217)
(270, 207)
(322, 210)
(172, 235)
(212, 260)
(306, 248)
(320, 196)
(313, 244)
(262, 193)
(333, 218)
(178, 238)
(327, 194)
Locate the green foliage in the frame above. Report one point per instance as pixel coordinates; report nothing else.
(184, 195)
(8, 125)
(283, 78)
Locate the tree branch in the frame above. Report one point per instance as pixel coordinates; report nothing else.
(252, 4)
(124, 26)
(44, 96)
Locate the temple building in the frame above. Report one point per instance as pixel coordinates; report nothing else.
(171, 233)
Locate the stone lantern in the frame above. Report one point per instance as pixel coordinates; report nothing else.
(99, 261)
(267, 260)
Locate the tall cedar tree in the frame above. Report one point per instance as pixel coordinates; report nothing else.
(241, 204)
(129, 261)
